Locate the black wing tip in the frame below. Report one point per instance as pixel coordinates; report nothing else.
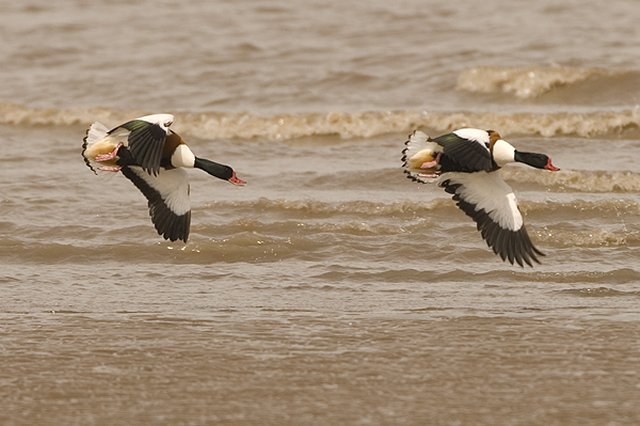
(404, 157)
(84, 149)
(406, 149)
(151, 171)
(514, 247)
(169, 225)
(413, 178)
(404, 166)
(511, 246)
(521, 249)
(170, 235)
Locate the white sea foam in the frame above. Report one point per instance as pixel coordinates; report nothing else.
(220, 125)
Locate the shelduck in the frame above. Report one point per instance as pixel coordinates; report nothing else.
(153, 157)
(464, 163)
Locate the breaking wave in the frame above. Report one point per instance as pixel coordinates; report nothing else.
(599, 181)
(310, 229)
(361, 209)
(521, 178)
(221, 125)
(535, 81)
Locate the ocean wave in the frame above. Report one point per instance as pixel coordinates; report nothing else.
(323, 209)
(280, 229)
(442, 207)
(600, 291)
(591, 181)
(597, 208)
(300, 227)
(440, 243)
(223, 125)
(586, 237)
(534, 81)
(521, 178)
(241, 247)
(617, 276)
(305, 235)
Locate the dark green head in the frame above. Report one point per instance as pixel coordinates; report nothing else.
(218, 170)
(533, 159)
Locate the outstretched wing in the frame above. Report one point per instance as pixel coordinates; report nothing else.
(145, 142)
(463, 155)
(491, 203)
(168, 199)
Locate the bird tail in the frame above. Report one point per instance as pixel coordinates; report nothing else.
(420, 158)
(94, 142)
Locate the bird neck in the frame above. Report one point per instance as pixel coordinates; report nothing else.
(214, 169)
(533, 159)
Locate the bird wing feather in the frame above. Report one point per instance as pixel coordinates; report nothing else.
(168, 199)
(463, 155)
(146, 143)
(491, 203)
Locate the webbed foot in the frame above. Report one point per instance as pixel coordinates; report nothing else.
(110, 156)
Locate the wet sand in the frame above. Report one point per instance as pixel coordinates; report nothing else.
(301, 368)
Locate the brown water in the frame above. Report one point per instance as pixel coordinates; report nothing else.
(330, 289)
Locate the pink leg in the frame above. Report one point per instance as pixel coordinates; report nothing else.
(109, 156)
(428, 164)
(431, 164)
